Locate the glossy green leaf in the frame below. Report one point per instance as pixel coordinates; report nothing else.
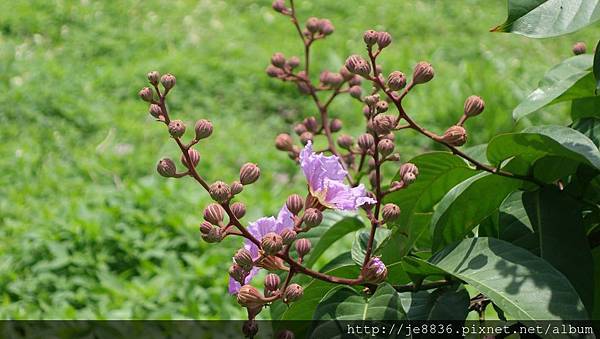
(590, 127)
(359, 246)
(571, 79)
(548, 18)
(596, 68)
(522, 284)
(585, 108)
(446, 303)
(419, 269)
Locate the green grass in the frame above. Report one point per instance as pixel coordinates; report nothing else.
(89, 230)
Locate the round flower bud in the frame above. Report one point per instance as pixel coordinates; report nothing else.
(271, 243)
(579, 48)
(390, 212)
(299, 129)
(312, 24)
(274, 72)
(355, 81)
(422, 73)
(345, 73)
(205, 227)
(155, 110)
(345, 141)
(272, 282)
(168, 81)
(213, 213)
(375, 271)
(384, 39)
(294, 203)
(335, 79)
(238, 209)
(302, 247)
(153, 77)
(292, 293)
(194, 157)
(249, 173)
(371, 100)
(381, 106)
(279, 6)
(409, 178)
(408, 168)
(311, 124)
(306, 137)
(335, 125)
(286, 334)
(219, 191)
(293, 62)
(288, 236)
(326, 27)
(146, 94)
(244, 259)
(278, 60)
(203, 129)
(370, 37)
(396, 80)
(455, 136)
(166, 168)
(214, 235)
(313, 217)
(366, 142)
(383, 123)
(355, 91)
(249, 296)
(385, 147)
(474, 105)
(236, 187)
(284, 142)
(358, 65)
(176, 128)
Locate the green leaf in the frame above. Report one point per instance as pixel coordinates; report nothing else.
(520, 283)
(419, 269)
(467, 204)
(590, 127)
(585, 108)
(571, 79)
(359, 246)
(548, 18)
(539, 141)
(446, 303)
(597, 67)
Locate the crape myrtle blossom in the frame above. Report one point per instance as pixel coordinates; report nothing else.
(259, 229)
(325, 176)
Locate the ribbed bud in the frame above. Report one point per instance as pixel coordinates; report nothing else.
(214, 235)
(311, 124)
(579, 48)
(375, 271)
(288, 236)
(213, 213)
(390, 212)
(274, 72)
(271, 243)
(292, 293)
(422, 73)
(249, 173)
(272, 282)
(166, 168)
(238, 273)
(203, 129)
(409, 178)
(302, 247)
(243, 258)
(155, 110)
(299, 129)
(219, 191)
(355, 92)
(293, 62)
(306, 137)
(370, 37)
(384, 123)
(279, 6)
(238, 209)
(384, 39)
(146, 94)
(335, 125)
(371, 100)
(408, 168)
(176, 128)
(385, 147)
(153, 77)
(326, 27)
(396, 81)
(205, 227)
(324, 77)
(381, 106)
(345, 73)
(284, 142)
(313, 217)
(194, 157)
(294, 203)
(358, 65)
(345, 141)
(474, 105)
(168, 81)
(249, 296)
(278, 60)
(455, 136)
(366, 142)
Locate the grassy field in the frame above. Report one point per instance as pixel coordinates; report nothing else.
(89, 230)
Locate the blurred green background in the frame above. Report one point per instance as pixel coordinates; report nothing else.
(89, 230)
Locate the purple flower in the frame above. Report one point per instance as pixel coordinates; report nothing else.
(325, 176)
(259, 229)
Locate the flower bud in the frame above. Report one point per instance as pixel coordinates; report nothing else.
(238, 209)
(335, 125)
(302, 247)
(370, 37)
(474, 105)
(366, 142)
(396, 80)
(294, 203)
(203, 129)
(155, 110)
(375, 271)
(312, 24)
(335, 79)
(313, 217)
(205, 227)
(278, 60)
(383, 123)
(236, 187)
(274, 72)
(279, 6)
(384, 39)
(293, 62)
(355, 91)
(244, 259)
(219, 191)
(345, 73)
(292, 293)
(153, 77)
(249, 173)
(345, 141)
(381, 106)
(213, 213)
(409, 178)
(272, 282)
(166, 168)
(371, 100)
(176, 128)
(358, 65)
(286, 334)
(579, 48)
(311, 124)
(284, 142)
(408, 168)
(299, 129)
(288, 236)
(390, 212)
(306, 137)
(168, 81)
(214, 235)
(455, 136)
(422, 73)
(249, 296)
(146, 94)
(355, 81)
(194, 157)
(326, 27)
(385, 147)
(271, 243)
